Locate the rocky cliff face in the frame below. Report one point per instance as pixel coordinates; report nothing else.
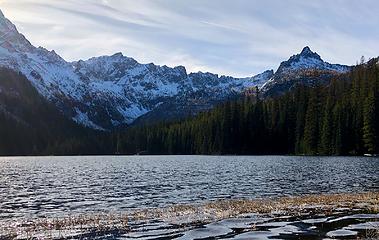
(306, 68)
(109, 91)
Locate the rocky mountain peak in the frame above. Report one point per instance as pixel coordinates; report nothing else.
(10, 38)
(306, 59)
(308, 53)
(118, 55)
(305, 55)
(295, 71)
(108, 91)
(6, 25)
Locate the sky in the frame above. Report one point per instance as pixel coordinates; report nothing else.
(231, 37)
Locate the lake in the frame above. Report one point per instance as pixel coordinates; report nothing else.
(35, 187)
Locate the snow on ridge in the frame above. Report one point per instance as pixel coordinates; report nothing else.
(119, 85)
(290, 72)
(132, 112)
(308, 59)
(306, 63)
(83, 119)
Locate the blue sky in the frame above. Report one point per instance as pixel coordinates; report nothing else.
(232, 37)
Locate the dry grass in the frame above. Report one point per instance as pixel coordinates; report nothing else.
(325, 204)
(111, 223)
(64, 227)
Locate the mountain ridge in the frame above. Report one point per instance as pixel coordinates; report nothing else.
(305, 68)
(112, 91)
(30, 125)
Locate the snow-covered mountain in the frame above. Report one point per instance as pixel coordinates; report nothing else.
(306, 68)
(105, 92)
(111, 91)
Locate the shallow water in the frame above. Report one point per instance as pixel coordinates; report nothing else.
(32, 187)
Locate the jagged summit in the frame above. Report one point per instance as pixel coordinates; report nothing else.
(108, 91)
(10, 38)
(305, 68)
(308, 59)
(306, 50)
(308, 53)
(118, 55)
(5, 24)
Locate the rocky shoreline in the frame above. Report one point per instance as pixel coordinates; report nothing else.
(345, 216)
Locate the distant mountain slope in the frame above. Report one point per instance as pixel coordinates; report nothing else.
(341, 118)
(112, 91)
(31, 125)
(109, 91)
(306, 68)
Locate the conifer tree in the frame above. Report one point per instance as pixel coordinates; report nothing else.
(311, 125)
(369, 123)
(326, 131)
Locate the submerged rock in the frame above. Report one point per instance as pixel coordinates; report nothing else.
(341, 233)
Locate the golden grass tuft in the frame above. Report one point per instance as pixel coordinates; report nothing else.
(316, 204)
(185, 214)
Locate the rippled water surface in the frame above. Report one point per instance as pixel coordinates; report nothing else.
(55, 186)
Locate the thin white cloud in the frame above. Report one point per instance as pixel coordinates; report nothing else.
(239, 37)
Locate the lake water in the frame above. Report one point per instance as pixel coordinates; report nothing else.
(33, 187)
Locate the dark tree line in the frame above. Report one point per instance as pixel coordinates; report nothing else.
(29, 125)
(338, 119)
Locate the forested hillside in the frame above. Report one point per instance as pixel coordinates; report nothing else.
(29, 125)
(338, 119)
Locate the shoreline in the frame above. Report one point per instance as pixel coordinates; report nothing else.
(191, 216)
(173, 155)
